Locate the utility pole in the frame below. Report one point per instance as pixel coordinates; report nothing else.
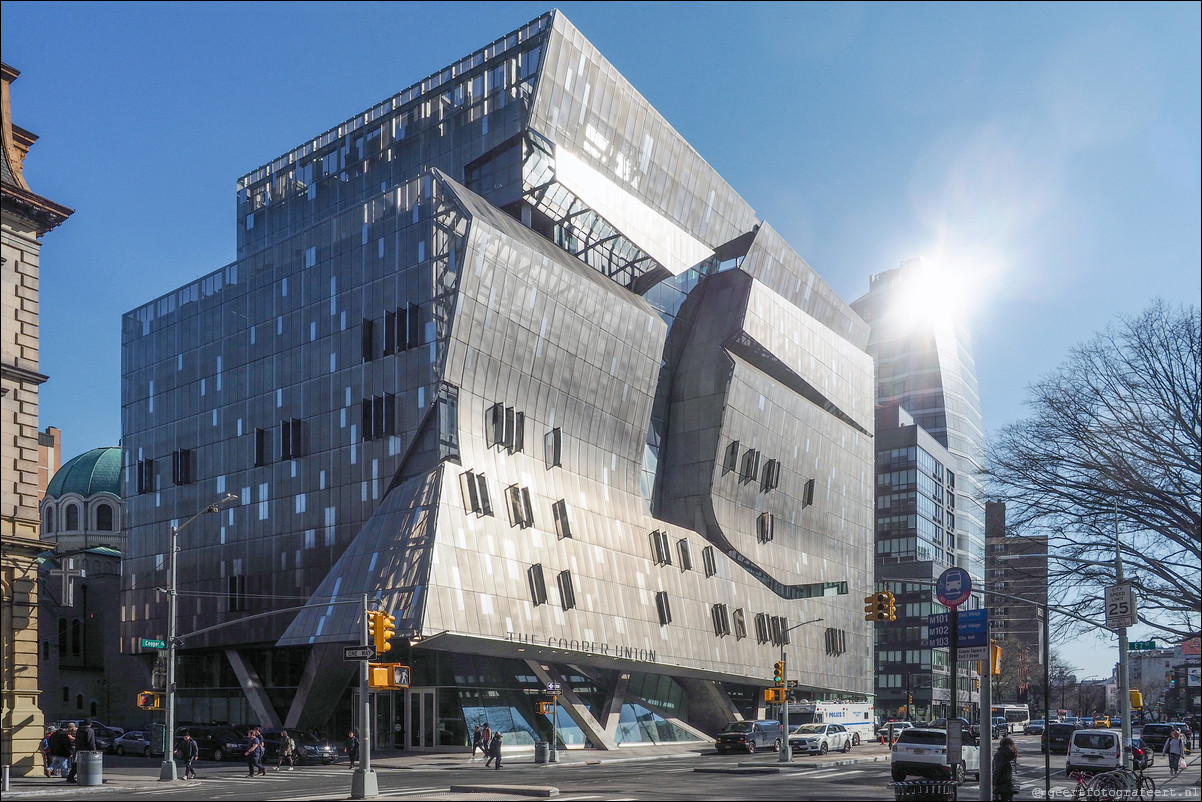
(364, 783)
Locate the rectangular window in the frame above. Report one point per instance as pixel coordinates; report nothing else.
(751, 465)
(290, 439)
(378, 416)
(368, 343)
(521, 513)
(260, 447)
(553, 448)
(413, 334)
(765, 527)
(567, 594)
(770, 478)
(836, 642)
(494, 425)
(807, 494)
(538, 587)
(661, 548)
(686, 557)
(559, 511)
(181, 466)
(145, 475)
(778, 626)
(448, 422)
(518, 442)
(471, 499)
(709, 561)
(740, 624)
(662, 607)
(761, 627)
(731, 460)
(236, 593)
(390, 331)
(721, 620)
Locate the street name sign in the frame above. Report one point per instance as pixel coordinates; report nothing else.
(1141, 645)
(358, 652)
(153, 643)
(1120, 606)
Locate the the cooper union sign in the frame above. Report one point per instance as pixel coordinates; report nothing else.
(605, 649)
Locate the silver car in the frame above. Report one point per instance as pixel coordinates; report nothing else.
(818, 739)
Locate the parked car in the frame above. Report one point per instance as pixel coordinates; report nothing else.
(1154, 735)
(104, 737)
(818, 739)
(897, 728)
(747, 736)
(1056, 737)
(1141, 756)
(1093, 751)
(923, 751)
(1033, 727)
(134, 742)
(215, 741)
(1086, 723)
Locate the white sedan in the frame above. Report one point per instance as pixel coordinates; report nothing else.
(818, 739)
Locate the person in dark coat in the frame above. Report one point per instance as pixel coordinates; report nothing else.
(1003, 770)
(60, 752)
(476, 742)
(188, 752)
(351, 747)
(85, 741)
(494, 750)
(254, 753)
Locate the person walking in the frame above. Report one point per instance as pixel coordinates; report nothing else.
(85, 741)
(351, 747)
(1174, 747)
(71, 731)
(188, 752)
(60, 753)
(494, 750)
(252, 753)
(44, 748)
(287, 751)
(476, 742)
(1003, 770)
(261, 753)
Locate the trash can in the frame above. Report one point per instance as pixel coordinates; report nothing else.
(90, 769)
(541, 748)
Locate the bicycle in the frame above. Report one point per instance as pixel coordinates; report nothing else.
(1122, 783)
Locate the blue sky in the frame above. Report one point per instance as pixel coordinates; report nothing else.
(1048, 154)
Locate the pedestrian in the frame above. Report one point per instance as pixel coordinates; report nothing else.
(494, 750)
(85, 741)
(44, 748)
(287, 751)
(260, 753)
(60, 752)
(485, 739)
(188, 752)
(71, 731)
(476, 742)
(1003, 770)
(1174, 747)
(254, 745)
(351, 747)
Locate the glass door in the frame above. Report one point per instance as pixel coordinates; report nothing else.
(421, 710)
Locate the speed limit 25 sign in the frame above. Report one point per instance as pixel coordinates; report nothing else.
(1120, 606)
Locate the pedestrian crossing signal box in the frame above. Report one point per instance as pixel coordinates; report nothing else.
(546, 708)
(384, 676)
(774, 694)
(149, 700)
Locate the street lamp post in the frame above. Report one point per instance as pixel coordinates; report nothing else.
(786, 751)
(168, 770)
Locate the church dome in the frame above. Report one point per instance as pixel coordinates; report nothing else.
(95, 471)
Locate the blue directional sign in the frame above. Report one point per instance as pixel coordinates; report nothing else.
(972, 631)
(953, 588)
(939, 632)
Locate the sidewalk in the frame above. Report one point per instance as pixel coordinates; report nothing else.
(135, 780)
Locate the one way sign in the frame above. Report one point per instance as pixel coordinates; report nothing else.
(358, 652)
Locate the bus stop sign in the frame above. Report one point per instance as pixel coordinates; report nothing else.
(953, 588)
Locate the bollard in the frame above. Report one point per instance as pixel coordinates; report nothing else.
(5, 783)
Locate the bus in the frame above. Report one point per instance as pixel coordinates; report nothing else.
(1017, 716)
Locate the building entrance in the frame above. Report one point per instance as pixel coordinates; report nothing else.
(422, 709)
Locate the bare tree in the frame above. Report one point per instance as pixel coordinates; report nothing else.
(1115, 439)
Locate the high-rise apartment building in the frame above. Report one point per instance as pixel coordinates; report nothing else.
(929, 433)
(506, 355)
(1017, 566)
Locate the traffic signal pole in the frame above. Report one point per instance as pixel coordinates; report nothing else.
(786, 751)
(364, 784)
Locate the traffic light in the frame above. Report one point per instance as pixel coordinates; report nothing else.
(774, 695)
(870, 608)
(1137, 699)
(778, 672)
(909, 698)
(892, 611)
(976, 683)
(880, 608)
(995, 658)
(387, 676)
(381, 627)
(149, 700)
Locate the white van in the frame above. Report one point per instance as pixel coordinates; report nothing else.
(1094, 751)
(923, 751)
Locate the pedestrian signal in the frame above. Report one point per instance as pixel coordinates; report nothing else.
(774, 694)
(149, 700)
(1137, 699)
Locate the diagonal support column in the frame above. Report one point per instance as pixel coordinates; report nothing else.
(252, 686)
(576, 710)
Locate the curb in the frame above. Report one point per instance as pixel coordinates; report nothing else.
(543, 791)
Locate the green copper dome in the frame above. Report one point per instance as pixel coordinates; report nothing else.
(95, 471)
